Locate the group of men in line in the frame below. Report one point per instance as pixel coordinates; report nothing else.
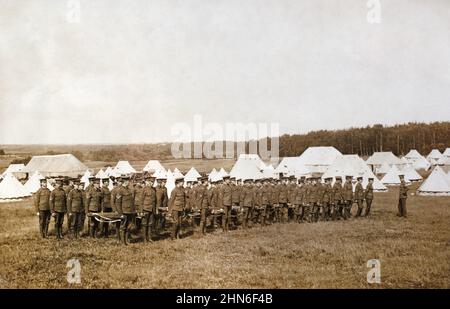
(227, 202)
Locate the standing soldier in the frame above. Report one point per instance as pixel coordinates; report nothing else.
(266, 195)
(247, 202)
(125, 207)
(338, 199)
(348, 197)
(58, 206)
(296, 197)
(93, 205)
(42, 206)
(106, 204)
(86, 188)
(227, 197)
(327, 199)
(161, 203)
(283, 200)
(148, 204)
(368, 196)
(403, 195)
(137, 195)
(202, 203)
(320, 194)
(213, 199)
(177, 204)
(312, 200)
(189, 195)
(273, 201)
(306, 207)
(236, 189)
(292, 191)
(257, 207)
(75, 209)
(359, 196)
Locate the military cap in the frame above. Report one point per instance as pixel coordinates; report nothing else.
(125, 177)
(233, 177)
(58, 181)
(150, 177)
(359, 178)
(371, 178)
(76, 182)
(226, 176)
(96, 180)
(401, 175)
(43, 180)
(179, 179)
(338, 177)
(92, 177)
(348, 177)
(328, 178)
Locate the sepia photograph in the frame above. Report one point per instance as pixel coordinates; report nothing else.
(224, 145)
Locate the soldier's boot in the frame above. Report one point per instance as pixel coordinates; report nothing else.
(367, 211)
(148, 237)
(358, 212)
(124, 236)
(58, 235)
(41, 230)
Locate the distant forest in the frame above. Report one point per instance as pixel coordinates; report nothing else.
(362, 141)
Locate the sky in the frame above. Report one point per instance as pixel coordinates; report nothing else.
(103, 71)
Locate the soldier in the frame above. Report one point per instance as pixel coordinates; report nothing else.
(347, 191)
(320, 194)
(327, 199)
(93, 205)
(273, 201)
(227, 196)
(283, 200)
(297, 195)
(58, 206)
(161, 203)
(359, 196)
(247, 202)
(137, 195)
(236, 188)
(338, 199)
(368, 196)
(42, 206)
(177, 204)
(202, 203)
(106, 204)
(213, 200)
(306, 206)
(312, 199)
(75, 208)
(126, 208)
(257, 207)
(265, 195)
(117, 183)
(292, 190)
(403, 195)
(188, 191)
(148, 204)
(86, 188)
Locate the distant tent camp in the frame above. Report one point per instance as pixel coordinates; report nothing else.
(192, 175)
(436, 184)
(287, 166)
(383, 169)
(11, 188)
(317, 159)
(411, 174)
(434, 156)
(392, 177)
(56, 165)
(352, 165)
(153, 166)
(34, 182)
(377, 159)
(417, 160)
(124, 168)
(15, 169)
(248, 167)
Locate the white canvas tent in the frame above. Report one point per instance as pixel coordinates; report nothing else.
(417, 160)
(108, 171)
(411, 174)
(56, 165)
(352, 165)
(213, 174)
(153, 166)
(383, 169)
(392, 177)
(447, 152)
(223, 172)
(436, 184)
(317, 159)
(434, 156)
(269, 172)
(124, 168)
(192, 175)
(11, 188)
(170, 183)
(34, 182)
(101, 174)
(377, 159)
(287, 166)
(248, 167)
(177, 173)
(443, 161)
(14, 169)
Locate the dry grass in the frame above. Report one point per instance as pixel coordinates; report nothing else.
(414, 253)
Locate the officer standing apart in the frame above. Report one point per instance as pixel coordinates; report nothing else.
(403, 195)
(125, 207)
(359, 196)
(42, 205)
(177, 203)
(58, 206)
(148, 204)
(368, 196)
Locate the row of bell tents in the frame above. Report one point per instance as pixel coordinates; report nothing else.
(315, 161)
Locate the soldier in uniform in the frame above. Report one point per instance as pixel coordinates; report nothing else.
(161, 203)
(86, 189)
(403, 195)
(265, 196)
(283, 200)
(306, 206)
(58, 206)
(338, 199)
(93, 205)
(202, 203)
(292, 190)
(320, 194)
(247, 202)
(137, 195)
(368, 196)
(257, 207)
(213, 200)
(42, 206)
(227, 196)
(296, 198)
(348, 197)
(359, 196)
(236, 188)
(177, 204)
(75, 209)
(313, 199)
(106, 204)
(126, 208)
(148, 204)
(327, 199)
(272, 213)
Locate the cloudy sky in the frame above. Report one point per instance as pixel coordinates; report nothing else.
(129, 71)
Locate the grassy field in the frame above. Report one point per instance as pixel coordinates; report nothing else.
(414, 253)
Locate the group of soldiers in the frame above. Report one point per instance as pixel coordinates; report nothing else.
(138, 204)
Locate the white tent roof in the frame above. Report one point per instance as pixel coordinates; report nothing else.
(160, 174)
(434, 156)
(317, 159)
(85, 177)
(192, 175)
(13, 168)
(153, 166)
(34, 182)
(223, 172)
(413, 154)
(447, 152)
(287, 166)
(213, 175)
(176, 173)
(101, 174)
(253, 159)
(269, 172)
(383, 169)
(443, 161)
(57, 165)
(417, 160)
(392, 177)
(411, 174)
(378, 158)
(352, 165)
(11, 188)
(436, 184)
(124, 167)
